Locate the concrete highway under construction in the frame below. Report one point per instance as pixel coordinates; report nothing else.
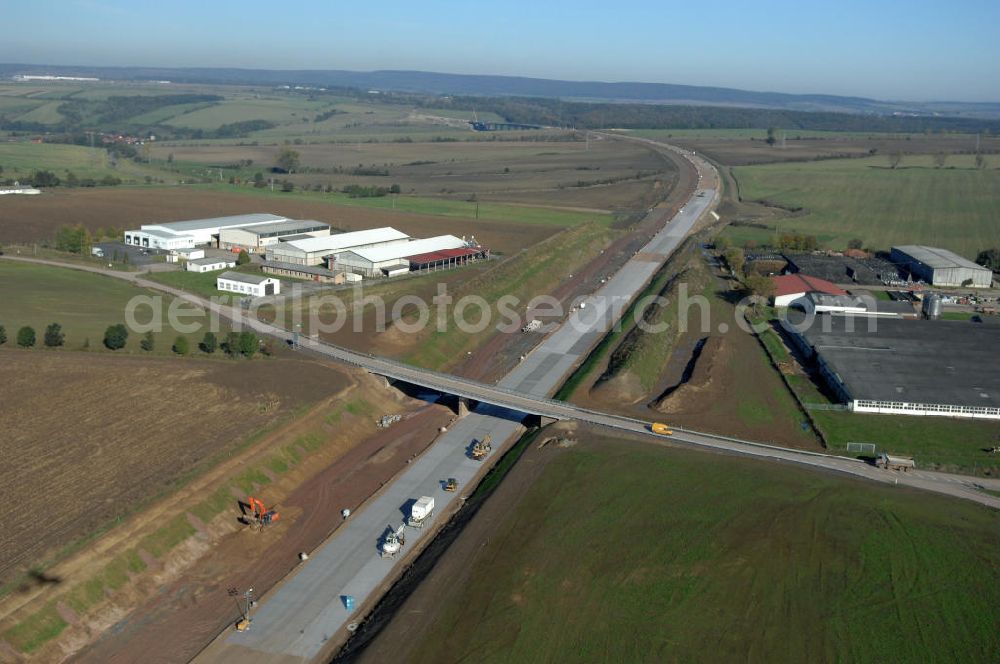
(305, 617)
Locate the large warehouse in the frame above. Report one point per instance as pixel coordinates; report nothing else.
(255, 239)
(313, 251)
(391, 260)
(907, 367)
(193, 232)
(940, 267)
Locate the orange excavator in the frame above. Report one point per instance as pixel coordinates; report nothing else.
(261, 515)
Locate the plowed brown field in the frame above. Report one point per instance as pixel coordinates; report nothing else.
(89, 438)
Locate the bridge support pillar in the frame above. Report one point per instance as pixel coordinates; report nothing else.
(462, 408)
(540, 421)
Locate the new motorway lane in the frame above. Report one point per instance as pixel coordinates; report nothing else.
(308, 609)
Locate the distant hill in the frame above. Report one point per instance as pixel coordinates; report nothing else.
(501, 86)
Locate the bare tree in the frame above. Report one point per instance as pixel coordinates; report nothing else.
(980, 160)
(895, 159)
(939, 159)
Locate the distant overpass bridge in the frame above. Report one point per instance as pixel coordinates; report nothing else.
(479, 125)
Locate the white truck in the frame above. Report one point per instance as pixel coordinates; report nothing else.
(889, 462)
(420, 511)
(97, 251)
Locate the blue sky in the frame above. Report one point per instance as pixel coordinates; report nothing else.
(917, 50)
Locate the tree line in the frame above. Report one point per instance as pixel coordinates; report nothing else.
(234, 344)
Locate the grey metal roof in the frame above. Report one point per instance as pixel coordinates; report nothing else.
(344, 241)
(157, 233)
(914, 361)
(304, 269)
(826, 300)
(211, 261)
(245, 277)
(216, 222)
(844, 269)
(936, 258)
(289, 227)
(400, 251)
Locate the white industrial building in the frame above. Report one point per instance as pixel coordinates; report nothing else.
(185, 254)
(209, 264)
(254, 285)
(255, 239)
(20, 189)
(391, 260)
(940, 267)
(310, 273)
(193, 232)
(313, 251)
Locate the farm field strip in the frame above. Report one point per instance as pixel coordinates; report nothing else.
(677, 561)
(955, 208)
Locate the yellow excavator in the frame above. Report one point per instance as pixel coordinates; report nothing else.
(482, 447)
(661, 428)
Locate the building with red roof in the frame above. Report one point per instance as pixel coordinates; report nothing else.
(790, 287)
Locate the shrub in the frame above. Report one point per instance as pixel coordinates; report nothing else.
(148, 343)
(209, 343)
(54, 335)
(181, 346)
(26, 337)
(115, 337)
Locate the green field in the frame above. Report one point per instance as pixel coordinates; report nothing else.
(442, 207)
(14, 105)
(83, 304)
(760, 134)
(199, 283)
(956, 208)
(539, 269)
(20, 160)
(25, 158)
(284, 110)
(942, 443)
(629, 553)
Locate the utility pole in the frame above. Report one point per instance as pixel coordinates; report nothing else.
(248, 603)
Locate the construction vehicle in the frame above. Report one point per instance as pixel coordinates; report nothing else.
(392, 542)
(260, 516)
(451, 484)
(420, 512)
(243, 624)
(661, 428)
(481, 448)
(889, 462)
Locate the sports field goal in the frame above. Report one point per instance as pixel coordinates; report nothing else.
(861, 449)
